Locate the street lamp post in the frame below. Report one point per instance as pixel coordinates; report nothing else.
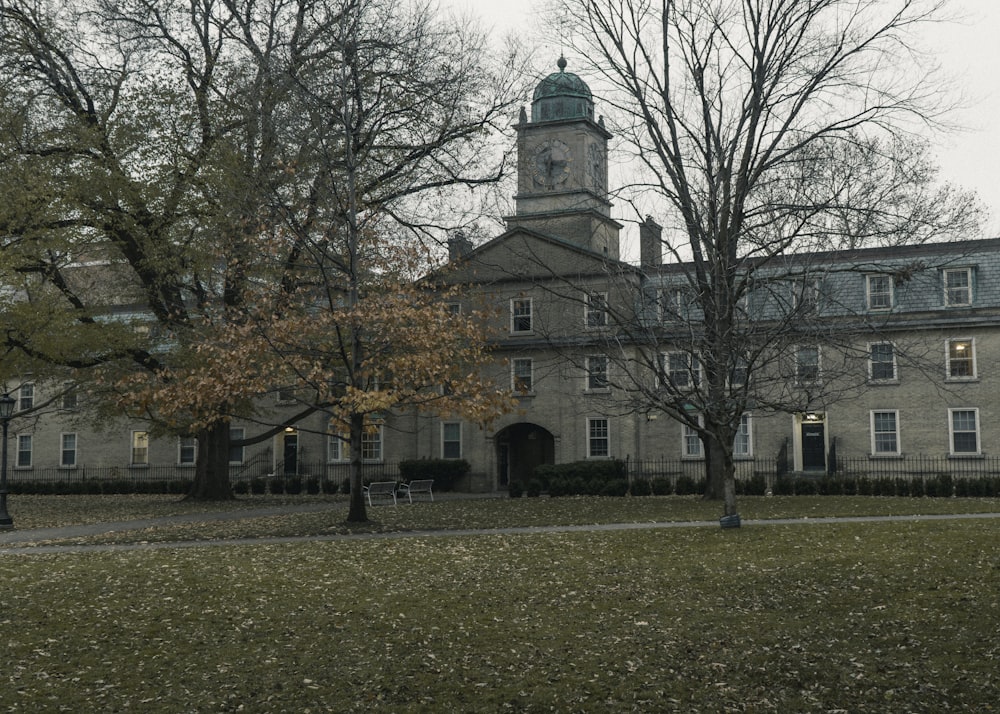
(6, 412)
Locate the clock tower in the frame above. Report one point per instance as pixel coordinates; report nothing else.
(563, 167)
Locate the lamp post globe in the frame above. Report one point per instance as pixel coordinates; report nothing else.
(6, 412)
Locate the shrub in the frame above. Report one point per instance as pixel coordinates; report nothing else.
(294, 486)
(662, 486)
(686, 486)
(641, 487)
(534, 488)
(805, 487)
(277, 486)
(345, 486)
(576, 486)
(616, 487)
(258, 485)
(312, 485)
(558, 487)
(444, 472)
(515, 489)
(241, 488)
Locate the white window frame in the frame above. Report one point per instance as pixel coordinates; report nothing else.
(673, 304)
(372, 444)
(70, 398)
(237, 433)
(187, 451)
(875, 433)
(73, 449)
(518, 383)
(799, 379)
(338, 448)
(139, 447)
(971, 342)
(872, 363)
(951, 295)
(26, 396)
(890, 293)
(24, 457)
(806, 294)
(595, 381)
(952, 432)
(743, 441)
(517, 313)
(690, 369)
(445, 441)
(595, 313)
(595, 440)
(689, 439)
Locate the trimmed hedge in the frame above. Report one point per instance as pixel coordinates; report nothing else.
(444, 472)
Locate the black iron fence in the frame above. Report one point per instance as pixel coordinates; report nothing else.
(909, 476)
(327, 477)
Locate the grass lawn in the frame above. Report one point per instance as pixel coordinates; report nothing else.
(826, 617)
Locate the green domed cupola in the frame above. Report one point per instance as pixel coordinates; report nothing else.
(562, 95)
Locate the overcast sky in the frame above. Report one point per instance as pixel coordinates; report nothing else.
(968, 51)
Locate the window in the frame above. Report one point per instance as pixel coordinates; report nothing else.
(67, 453)
(807, 364)
(26, 397)
(879, 292)
(70, 399)
(738, 370)
(24, 444)
(964, 427)
(961, 359)
(881, 362)
(187, 450)
(743, 443)
(520, 315)
(596, 314)
(958, 287)
(453, 308)
(683, 370)
(674, 303)
(885, 432)
(521, 375)
(371, 444)
(691, 442)
(337, 447)
(236, 453)
(286, 395)
(597, 372)
(451, 440)
(805, 295)
(140, 448)
(598, 438)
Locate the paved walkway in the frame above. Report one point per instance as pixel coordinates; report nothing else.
(18, 542)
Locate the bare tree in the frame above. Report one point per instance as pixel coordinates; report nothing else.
(765, 131)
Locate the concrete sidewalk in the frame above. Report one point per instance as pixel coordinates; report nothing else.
(18, 542)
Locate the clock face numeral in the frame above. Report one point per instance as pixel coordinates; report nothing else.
(551, 162)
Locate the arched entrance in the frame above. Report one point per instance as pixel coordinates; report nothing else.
(520, 448)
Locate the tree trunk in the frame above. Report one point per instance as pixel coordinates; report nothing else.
(356, 512)
(721, 476)
(211, 477)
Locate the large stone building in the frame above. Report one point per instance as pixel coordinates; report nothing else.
(906, 342)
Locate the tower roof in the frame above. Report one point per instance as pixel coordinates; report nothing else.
(562, 95)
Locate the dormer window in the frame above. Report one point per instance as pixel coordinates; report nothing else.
(958, 287)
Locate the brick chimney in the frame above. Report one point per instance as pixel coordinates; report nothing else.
(458, 246)
(650, 245)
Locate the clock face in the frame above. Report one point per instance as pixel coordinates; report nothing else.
(550, 163)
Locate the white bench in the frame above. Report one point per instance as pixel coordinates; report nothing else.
(422, 486)
(381, 490)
